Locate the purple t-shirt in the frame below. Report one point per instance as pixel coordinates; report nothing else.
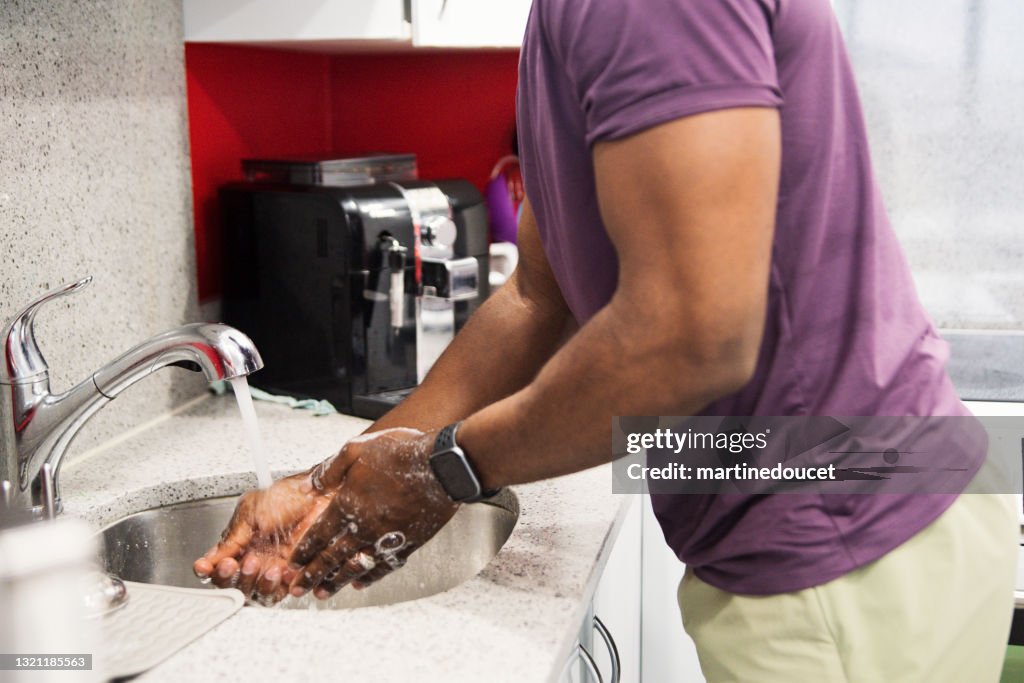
(845, 333)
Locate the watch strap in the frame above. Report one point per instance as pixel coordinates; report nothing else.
(446, 437)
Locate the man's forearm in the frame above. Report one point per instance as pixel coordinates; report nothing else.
(497, 353)
(561, 422)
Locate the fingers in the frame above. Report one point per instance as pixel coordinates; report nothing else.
(236, 537)
(272, 586)
(230, 548)
(262, 579)
(202, 567)
(339, 552)
(395, 561)
(226, 573)
(219, 564)
(269, 584)
(250, 574)
(356, 566)
(371, 577)
(330, 473)
(328, 526)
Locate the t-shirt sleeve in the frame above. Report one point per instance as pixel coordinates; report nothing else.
(637, 63)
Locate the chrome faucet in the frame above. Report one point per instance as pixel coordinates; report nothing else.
(36, 427)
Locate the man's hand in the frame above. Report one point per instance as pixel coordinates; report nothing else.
(384, 503)
(254, 549)
(352, 519)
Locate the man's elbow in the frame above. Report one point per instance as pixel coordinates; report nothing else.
(735, 370)
(692, 356)
(716, 365)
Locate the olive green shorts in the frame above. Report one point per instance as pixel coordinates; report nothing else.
(936, 609)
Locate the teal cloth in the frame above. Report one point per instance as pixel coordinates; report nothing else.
(315, 406)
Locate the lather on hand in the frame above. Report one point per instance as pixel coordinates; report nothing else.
(352, 519)
(384, 503)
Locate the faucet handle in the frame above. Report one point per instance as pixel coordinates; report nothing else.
(23, 361)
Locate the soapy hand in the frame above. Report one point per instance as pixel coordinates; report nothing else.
(352, 519)
(253, 552)
(384, 503)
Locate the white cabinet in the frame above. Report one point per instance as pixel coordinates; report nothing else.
(469, 23)
(669, 654)
(339, 24)
(635, 600)
(617, 600)
(273, 21)
(608, 642)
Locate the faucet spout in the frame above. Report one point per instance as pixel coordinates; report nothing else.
(36, 426)
(216, 350)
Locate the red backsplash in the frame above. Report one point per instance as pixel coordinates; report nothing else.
(455, 110)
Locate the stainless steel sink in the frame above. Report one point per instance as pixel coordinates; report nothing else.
(160, 545)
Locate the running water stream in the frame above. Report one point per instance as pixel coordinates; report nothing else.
(252, 431)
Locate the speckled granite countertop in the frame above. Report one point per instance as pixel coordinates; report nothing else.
(516, 621)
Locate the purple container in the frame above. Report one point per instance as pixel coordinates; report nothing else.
(500, 209)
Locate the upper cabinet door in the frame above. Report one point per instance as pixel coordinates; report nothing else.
(274, 21)
(469, 23)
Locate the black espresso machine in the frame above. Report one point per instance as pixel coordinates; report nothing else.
(351, 293)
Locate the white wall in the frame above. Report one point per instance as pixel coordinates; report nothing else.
(943, 93)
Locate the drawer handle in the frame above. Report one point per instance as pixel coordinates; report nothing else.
(613, 650)
(588, 662)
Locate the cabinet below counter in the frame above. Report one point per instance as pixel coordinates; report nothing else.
(515, 621)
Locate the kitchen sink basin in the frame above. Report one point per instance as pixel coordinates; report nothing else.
(159, 546)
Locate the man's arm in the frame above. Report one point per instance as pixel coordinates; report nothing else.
(501, 348)
(690, 207)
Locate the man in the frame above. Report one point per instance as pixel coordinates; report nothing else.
(703, 234)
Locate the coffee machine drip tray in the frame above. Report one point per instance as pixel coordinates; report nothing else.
(373, 406)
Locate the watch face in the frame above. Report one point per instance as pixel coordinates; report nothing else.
(458, 480)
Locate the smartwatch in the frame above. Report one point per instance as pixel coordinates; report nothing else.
(454, 471)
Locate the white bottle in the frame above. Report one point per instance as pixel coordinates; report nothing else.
(44, 573)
